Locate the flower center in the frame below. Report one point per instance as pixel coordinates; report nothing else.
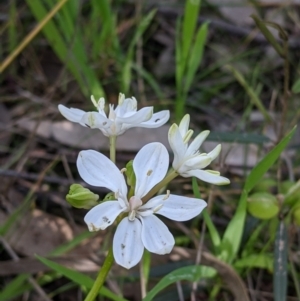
(134, 204)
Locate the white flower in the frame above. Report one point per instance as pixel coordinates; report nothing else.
(188, 161)
(139, 228)
(119, 119)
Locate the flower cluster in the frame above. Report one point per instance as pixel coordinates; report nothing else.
(136, 210)
(119, 119)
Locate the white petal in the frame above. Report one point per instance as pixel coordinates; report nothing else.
(196, 162)
(156, 236)
(215, 152)
(97, 170)
(150, 166)
(103, 215)
(197, 142)
(125, 106)
(184, 125)
(71, 114)
(153, 203)
(177, 145)
(138, 117)
(95, 120)
(158, 119)
(212, 177)
(180, 208)
(128, 247)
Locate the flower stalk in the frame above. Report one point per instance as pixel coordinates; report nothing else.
(108, 262)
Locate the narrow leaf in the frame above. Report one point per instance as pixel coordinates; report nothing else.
(188, 27)
(78, 278)
(252, 94)
(195, 56)
(268, 35)
(190, 273)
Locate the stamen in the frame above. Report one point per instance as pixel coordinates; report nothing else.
(167, 195)
(94, 101)
(123, 170)
(157, 208)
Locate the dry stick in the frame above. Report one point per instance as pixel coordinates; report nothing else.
(31, 280)
(180, 291)
(31, 35)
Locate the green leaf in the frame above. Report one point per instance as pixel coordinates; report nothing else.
(190, 273)
(78, 278)
(126, 72)
(262, 167)
(233, 234)
(262, 261)
(67, 42)
(13, 287)
(191, 13)
(268, 35)
(195, 56)
(252, 94)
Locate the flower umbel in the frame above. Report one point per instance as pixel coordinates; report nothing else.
(119, 119)
(139, 228)
(188, 161)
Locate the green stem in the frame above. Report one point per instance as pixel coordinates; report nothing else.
(108, 262)
(170, 176)
(112, 148)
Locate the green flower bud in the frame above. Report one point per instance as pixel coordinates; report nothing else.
(110, 196)
(296, 216)
(265, 185)
(292, 194)
(130, 174)
(80, 197)
(285, 186)
(263, 205)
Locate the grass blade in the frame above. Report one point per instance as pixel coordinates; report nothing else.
(190, 273)
(126, 72)
(78, 278)
(195, 56)
(251, 93)
(191, 12)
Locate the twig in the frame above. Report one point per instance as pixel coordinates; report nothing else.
(180, 291)
(31, 280)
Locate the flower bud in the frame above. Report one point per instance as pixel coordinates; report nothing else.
(263, 205)
(265, 185)
(130, 174)
(80, 197)
(292, 194)
(110, 196)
